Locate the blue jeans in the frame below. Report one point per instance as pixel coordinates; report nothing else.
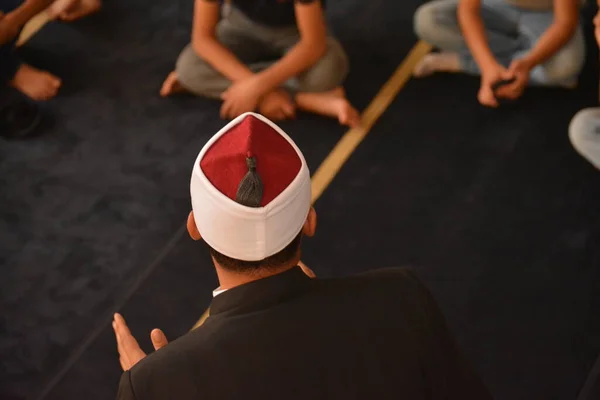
(511, 33)
(584, 132)
(9, 62)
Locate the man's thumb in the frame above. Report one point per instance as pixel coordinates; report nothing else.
(159, 340)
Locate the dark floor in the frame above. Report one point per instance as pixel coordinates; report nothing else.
(493, 208)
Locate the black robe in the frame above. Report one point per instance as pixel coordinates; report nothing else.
(375, 336)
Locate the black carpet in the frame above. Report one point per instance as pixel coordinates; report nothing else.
(494, 209)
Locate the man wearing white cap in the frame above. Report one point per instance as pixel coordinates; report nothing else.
(275, 331)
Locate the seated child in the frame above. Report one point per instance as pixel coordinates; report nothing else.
(270, 55)
(34, 83)
(537, 42)
(14, 14)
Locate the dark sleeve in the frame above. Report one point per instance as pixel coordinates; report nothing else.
(448, 374)
(125, 387)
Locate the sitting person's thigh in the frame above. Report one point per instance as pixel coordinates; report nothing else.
(329, 72)
(203, 79)
(566, 65)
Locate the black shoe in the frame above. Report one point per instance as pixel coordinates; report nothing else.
(19, 119)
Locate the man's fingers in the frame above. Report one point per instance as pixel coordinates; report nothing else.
(122, 330)
(121, 324)
(159, 340)
(117, 336)
(125, 339)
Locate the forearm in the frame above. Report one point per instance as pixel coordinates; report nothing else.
(221, 59)
(28, 10)
(300, 58)
(469, 17)
(555, 37)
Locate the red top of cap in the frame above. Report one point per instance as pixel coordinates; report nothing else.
(277, 163)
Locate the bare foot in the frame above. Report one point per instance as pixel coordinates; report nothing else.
(71, 10)
(277, 105)
(171, 85)
(437, 62)
(331, 104)
(36, 84)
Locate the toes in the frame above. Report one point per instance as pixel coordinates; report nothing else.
(349, 117)
(55, 82)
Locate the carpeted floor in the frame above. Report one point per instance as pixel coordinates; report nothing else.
(493, 208)
(497, 214)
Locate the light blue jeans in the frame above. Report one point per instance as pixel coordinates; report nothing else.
(511, 32)
(584, 132)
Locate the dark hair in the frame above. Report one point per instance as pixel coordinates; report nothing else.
(270, 263)
(249, 194)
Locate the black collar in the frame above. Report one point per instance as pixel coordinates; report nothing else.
(261, 293)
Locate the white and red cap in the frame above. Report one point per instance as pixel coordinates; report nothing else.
(250, 151)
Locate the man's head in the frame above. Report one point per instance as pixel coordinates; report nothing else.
(251, 197)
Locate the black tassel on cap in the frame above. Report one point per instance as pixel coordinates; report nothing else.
(250, 190)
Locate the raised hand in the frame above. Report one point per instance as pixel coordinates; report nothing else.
(129, 349)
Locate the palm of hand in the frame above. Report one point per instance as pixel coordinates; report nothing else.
(277, 106)
(129, 350)
(241, 97)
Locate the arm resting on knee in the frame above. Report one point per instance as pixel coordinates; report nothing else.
(311, 47)
(206, 44)
(471, 24)
(566, 19)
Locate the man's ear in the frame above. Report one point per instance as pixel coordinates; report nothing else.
(192, 228)
(310, 225)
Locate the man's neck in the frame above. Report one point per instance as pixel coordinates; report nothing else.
(229, 279)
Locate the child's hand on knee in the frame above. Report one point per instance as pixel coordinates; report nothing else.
(519, 72)
(489, 76)
(277, 105)
(241, 97)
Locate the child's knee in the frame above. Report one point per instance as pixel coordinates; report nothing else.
(582, 128)
(329, 72)
(563, 71)
(196, 75)
(424, 21)
(566, 65)
(187, 64)
(432, 21)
